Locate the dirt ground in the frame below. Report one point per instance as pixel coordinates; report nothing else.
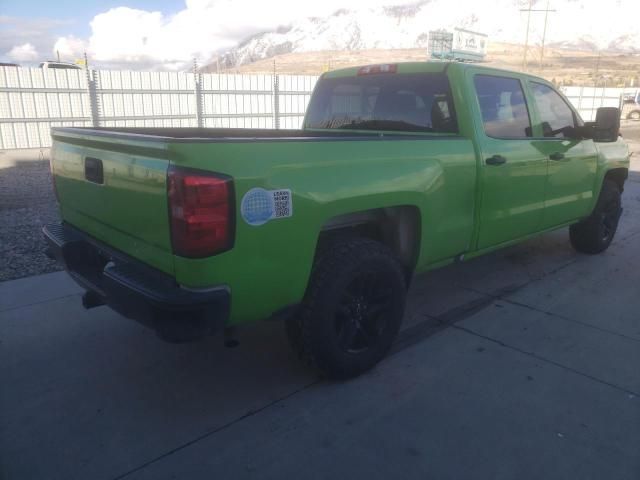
(27, 202)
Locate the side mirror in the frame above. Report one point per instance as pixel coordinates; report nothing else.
(607, 124)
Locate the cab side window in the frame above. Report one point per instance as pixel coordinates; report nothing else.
(556, 116)
(503, 107)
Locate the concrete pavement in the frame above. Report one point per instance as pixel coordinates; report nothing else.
(521, 364)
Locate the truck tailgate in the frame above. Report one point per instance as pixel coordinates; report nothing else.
(115, 190)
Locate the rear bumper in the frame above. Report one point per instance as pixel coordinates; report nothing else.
(136, 290)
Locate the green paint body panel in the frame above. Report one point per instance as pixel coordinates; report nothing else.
(465, 206)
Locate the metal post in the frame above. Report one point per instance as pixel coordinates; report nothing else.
(197, 80)
(94, 101)
(580, 98)
(621, 102)
(199, 100)
(276, 102)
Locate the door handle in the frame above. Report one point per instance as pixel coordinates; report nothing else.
(557, 156)
(496, 160)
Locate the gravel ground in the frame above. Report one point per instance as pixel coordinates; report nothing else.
(27, 202)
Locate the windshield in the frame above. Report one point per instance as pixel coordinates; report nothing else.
(418, 102)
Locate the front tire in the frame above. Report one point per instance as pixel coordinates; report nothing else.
(595, 233)
(352, 310)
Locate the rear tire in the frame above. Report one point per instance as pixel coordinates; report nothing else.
(595, 233)
(634, 115)
(352, 310)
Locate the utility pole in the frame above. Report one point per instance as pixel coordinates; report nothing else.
(544, 32)
(526, 41)
(526, 38)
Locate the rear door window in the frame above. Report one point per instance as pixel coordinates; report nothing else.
(503, 107)
(397, 102)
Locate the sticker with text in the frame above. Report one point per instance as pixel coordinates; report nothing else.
(260, 205)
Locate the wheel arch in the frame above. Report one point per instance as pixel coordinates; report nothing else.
(398, 227)
(632, 113)
(617, 175)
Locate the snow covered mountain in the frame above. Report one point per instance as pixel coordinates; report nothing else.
(586, 24)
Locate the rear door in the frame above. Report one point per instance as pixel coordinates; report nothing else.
(513, 171)
(572, 161)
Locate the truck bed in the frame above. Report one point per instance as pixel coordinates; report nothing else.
(328, 173)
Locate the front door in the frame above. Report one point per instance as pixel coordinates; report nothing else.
(513, 171)
(572, 161)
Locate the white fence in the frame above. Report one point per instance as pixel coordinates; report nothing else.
(588, 99)
(34, 100)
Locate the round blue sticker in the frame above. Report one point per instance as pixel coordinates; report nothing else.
(257, 206)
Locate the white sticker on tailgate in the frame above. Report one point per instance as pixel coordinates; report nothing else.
(260, 205)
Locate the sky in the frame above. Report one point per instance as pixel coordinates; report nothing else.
(30, 36)
(169, 34)
(144, 32)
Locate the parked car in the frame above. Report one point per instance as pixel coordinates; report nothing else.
(60, 65)
(399, 169)
(631, 106)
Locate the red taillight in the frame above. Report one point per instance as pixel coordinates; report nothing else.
(200, 211)
(375, 69)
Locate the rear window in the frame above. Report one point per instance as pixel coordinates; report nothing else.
(418, 102)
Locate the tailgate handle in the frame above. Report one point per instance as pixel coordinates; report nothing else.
(93, 170)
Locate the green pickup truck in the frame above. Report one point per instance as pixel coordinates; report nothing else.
(398, 169)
